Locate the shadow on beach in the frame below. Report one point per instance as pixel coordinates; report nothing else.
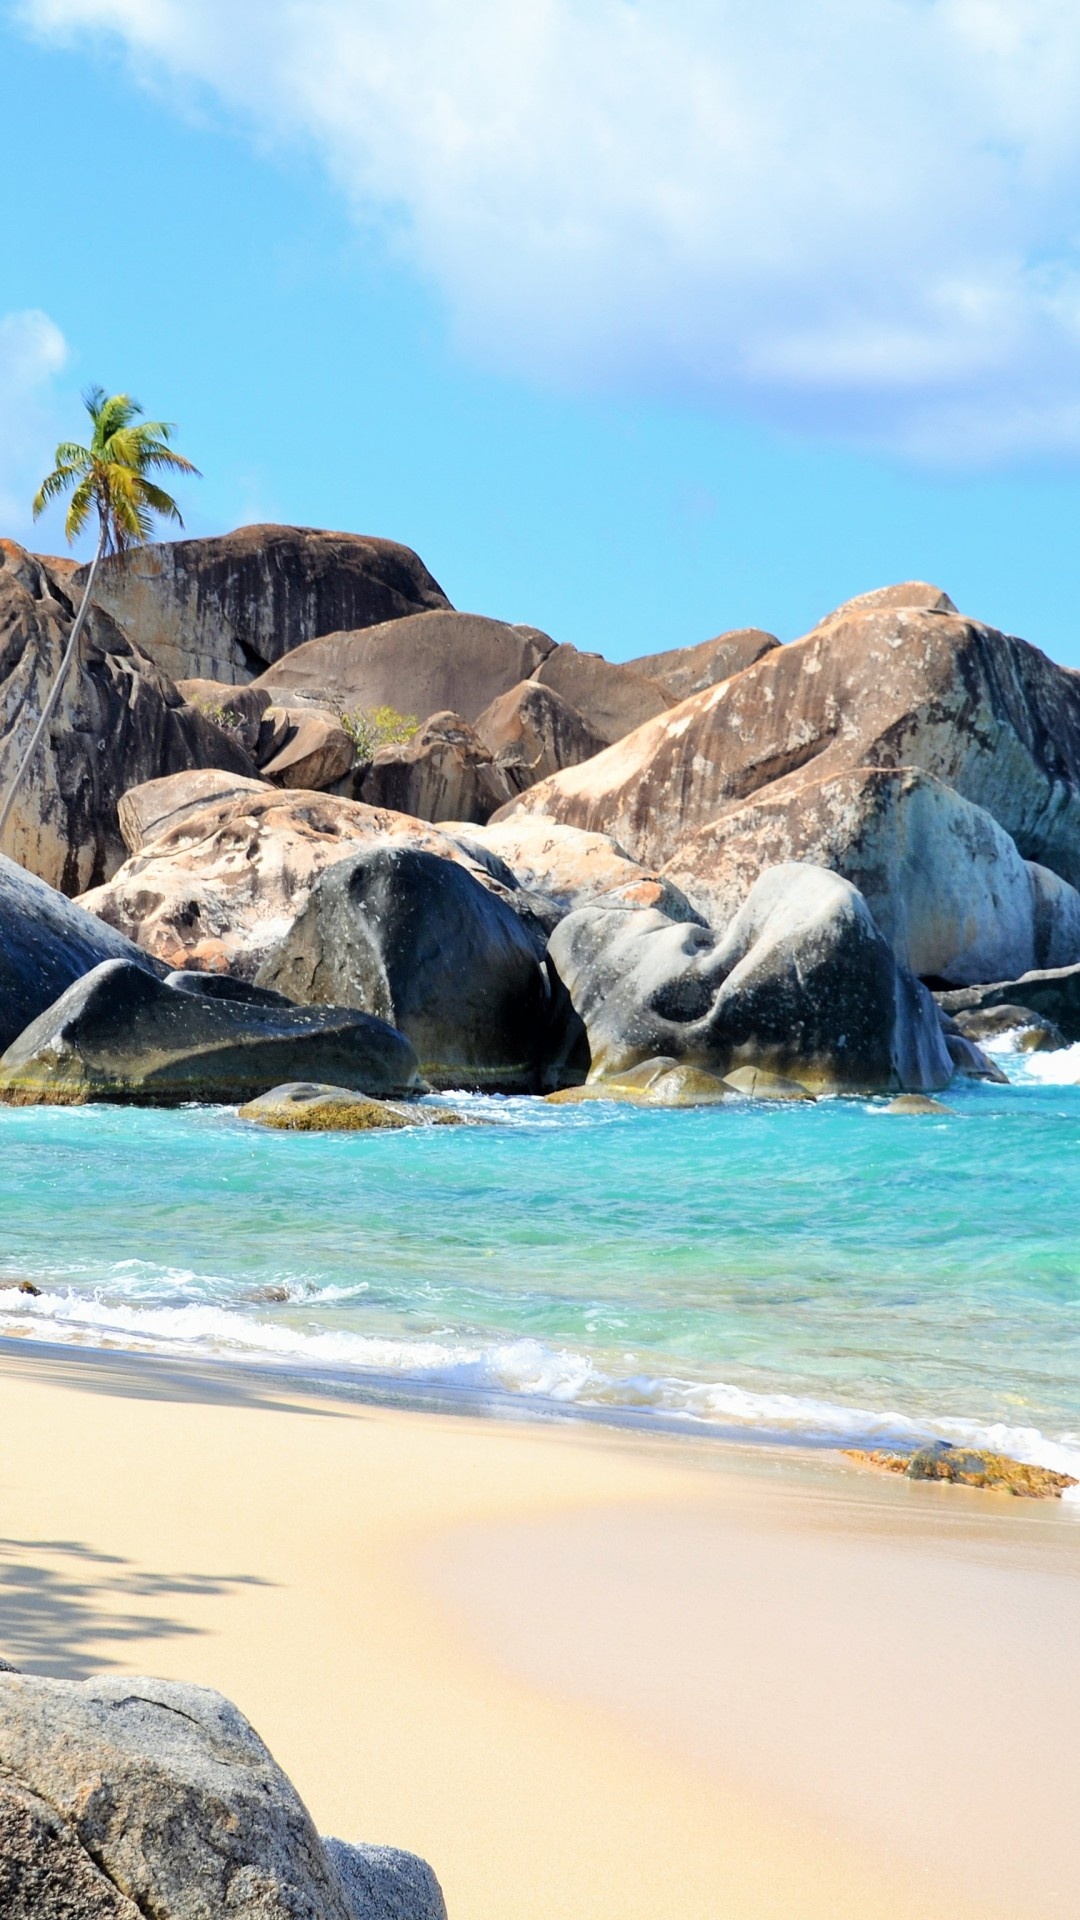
(137, 1376)
(62, 1605)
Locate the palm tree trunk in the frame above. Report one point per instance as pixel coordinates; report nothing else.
(49, 708)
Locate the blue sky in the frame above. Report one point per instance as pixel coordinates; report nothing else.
(638, 322)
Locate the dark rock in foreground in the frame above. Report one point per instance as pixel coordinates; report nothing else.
(122, 1035)
(224, 608)
(801, 985)
(419, 942)
(124, 1798)
(47, 943)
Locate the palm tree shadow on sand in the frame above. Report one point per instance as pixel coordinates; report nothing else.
(63, 1604)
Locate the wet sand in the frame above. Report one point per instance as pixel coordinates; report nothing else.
(582, 1672)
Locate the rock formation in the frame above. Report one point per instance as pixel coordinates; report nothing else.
(944, 882)
(533, 732)
(425, 663)
(417, 941)
(443, 773)
(881, 684)
(1052, 993)
(302, 1106)
(221, 866)
(801, 984)
(686, 670)
(120, 1034)
(46, 943)
(123, 1797)
(225, 608)
(119, 722)
(570, 868)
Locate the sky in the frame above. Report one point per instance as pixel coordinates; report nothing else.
(638, 319)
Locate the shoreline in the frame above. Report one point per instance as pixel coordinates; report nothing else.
(579, 1668)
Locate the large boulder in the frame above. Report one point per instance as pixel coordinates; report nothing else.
(309, 749)
(612, 700)
(801, 984)
(877, 684)
(532, 731)
(682, 671)
(221, 867)
(122, 1035)
(419, 942)
(46, 943)
(437, 662)
(119, 722)
(944, 882)
(443, 773)
(225, 608)
(124, 1797)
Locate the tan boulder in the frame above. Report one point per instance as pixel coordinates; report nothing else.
(532, 731)
(944, 882)
(224, 608)
(119, 722)
(611, 699)
(443, 773)
(686, 670)
(434, 662)
(874, 685)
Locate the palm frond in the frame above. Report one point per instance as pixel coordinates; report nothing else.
(161, 502)
(72, 455)
(78, 512)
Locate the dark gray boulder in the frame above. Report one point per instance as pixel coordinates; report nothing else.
(46, 943)
(801, 984)
(127, 1797)
(122, 1035)
(417, 941)
(1052, 992)
(383, 1883)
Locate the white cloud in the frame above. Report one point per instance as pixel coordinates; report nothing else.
(856, 216)
(32, 352)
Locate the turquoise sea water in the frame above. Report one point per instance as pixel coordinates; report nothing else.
(819, 1272)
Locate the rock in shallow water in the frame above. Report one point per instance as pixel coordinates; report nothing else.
(301, 1107)
(419, 942)
(122, 1035)
(801, 985)
(969, 1467)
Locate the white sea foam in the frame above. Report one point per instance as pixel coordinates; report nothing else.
(525, 1369)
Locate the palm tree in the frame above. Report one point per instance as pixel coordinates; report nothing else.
(110, 477)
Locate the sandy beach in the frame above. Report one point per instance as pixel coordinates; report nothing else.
(582, 1671)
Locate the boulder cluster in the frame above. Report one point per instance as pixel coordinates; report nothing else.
(837, 864)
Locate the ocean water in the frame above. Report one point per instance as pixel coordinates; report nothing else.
(818, 1273)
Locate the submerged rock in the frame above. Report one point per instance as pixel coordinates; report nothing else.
(1032, 1032)
(916, 1103)
(122, 1035)
(419, 942)
(756, 1084)
(801, 985)
(123, 1798)
(969, 1467)
(301, 1107)
(1053, 993)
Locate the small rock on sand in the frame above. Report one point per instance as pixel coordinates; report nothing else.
(969, 1467)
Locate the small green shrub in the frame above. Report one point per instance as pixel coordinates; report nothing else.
(371, 727)
(225, 717)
